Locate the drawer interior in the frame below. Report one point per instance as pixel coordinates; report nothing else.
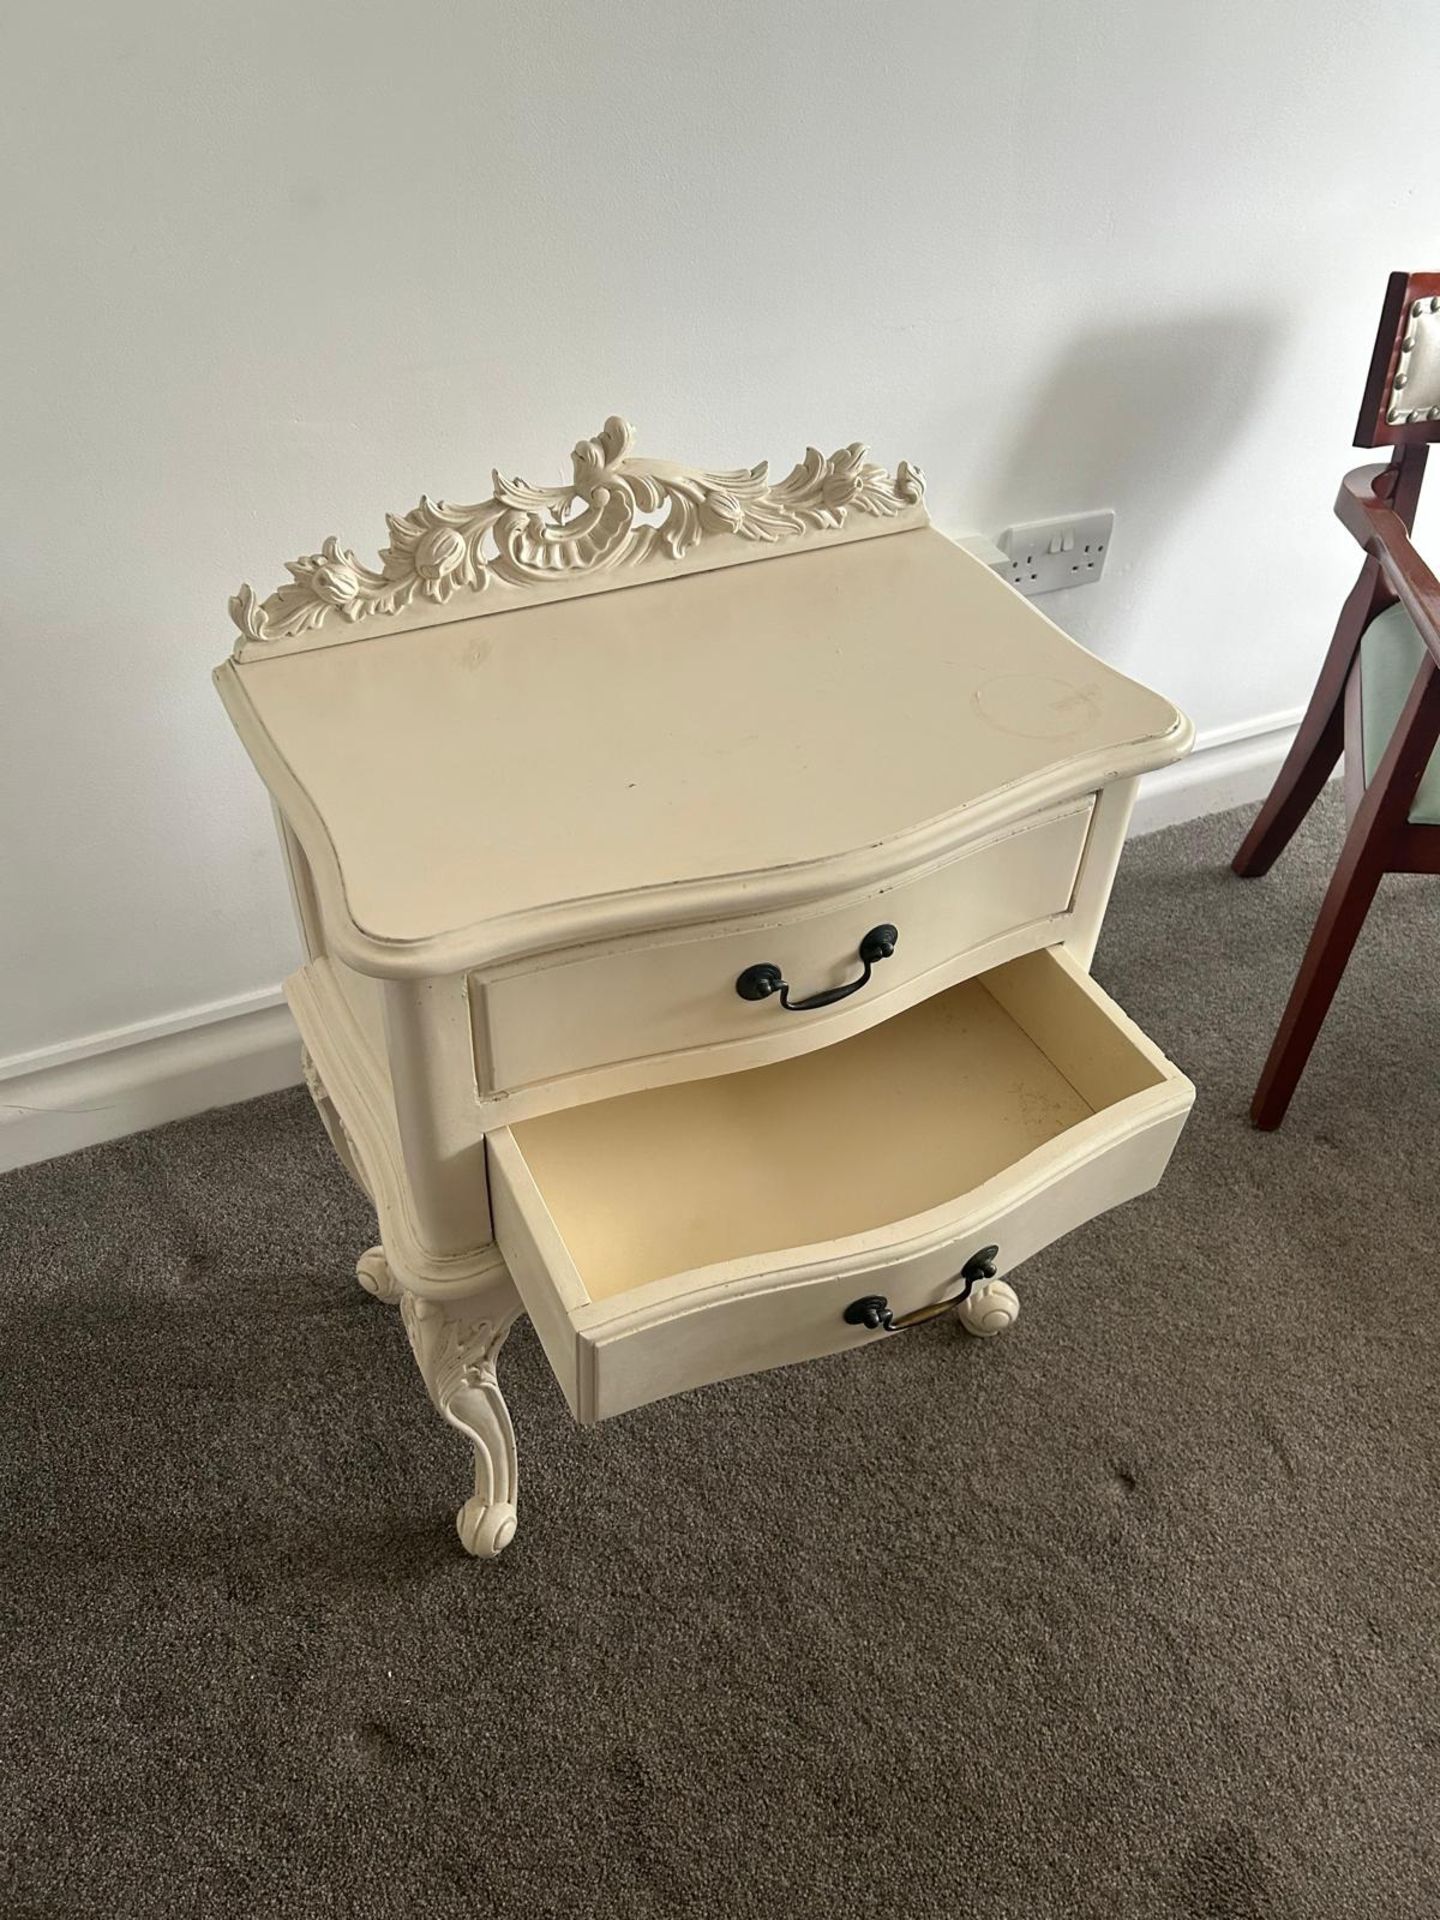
(877, 1128)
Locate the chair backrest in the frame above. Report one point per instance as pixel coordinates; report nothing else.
(1402, 395)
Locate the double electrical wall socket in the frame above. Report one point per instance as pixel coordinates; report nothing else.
(1044, 555)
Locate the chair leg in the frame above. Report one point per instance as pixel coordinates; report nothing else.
(1347, 900)
(1321, 738)
(1374, 837)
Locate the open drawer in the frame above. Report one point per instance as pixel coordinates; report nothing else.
(686, 1234)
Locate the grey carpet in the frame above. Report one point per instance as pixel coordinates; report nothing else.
(1134, 1612)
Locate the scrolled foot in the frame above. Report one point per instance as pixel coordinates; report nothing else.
(486, 1527)
(372, 1270)
(991, 1307)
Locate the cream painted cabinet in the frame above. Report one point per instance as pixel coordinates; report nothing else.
(698, 876)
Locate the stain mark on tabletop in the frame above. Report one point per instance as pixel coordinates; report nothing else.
(1036, 706)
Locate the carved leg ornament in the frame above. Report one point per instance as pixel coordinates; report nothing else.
(372, 1270)
(455, 1347)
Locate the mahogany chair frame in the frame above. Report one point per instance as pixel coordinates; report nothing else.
(1377, 504)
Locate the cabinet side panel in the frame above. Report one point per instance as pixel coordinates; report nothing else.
(363, 996)
(414, 1041)
(428, 1041)
(303, 896)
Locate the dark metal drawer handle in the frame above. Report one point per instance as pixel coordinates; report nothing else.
(872, 1310)
(763, 979)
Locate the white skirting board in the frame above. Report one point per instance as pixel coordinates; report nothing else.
(117, 1083)
(110, 1084)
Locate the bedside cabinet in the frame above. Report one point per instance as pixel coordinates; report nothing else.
(698, 876)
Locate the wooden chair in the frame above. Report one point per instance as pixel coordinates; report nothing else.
(1378, 696)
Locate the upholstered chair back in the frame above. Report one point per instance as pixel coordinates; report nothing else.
(1402, 395)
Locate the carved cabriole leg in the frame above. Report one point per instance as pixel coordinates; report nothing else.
(455, 1345)
(455, 1341)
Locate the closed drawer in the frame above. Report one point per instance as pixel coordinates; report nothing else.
(636, 999)
(689, 1233)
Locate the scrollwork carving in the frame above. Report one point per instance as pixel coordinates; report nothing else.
(527, 537)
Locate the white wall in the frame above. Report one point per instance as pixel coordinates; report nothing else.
(273, 268)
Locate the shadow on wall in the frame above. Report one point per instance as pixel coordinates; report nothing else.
(1136, 418)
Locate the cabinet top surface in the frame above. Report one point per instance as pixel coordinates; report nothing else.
(566, 770)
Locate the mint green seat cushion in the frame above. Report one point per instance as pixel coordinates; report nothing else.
(1390, 656)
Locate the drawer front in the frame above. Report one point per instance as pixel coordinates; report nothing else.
(628, 1001)
(613, 1347)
